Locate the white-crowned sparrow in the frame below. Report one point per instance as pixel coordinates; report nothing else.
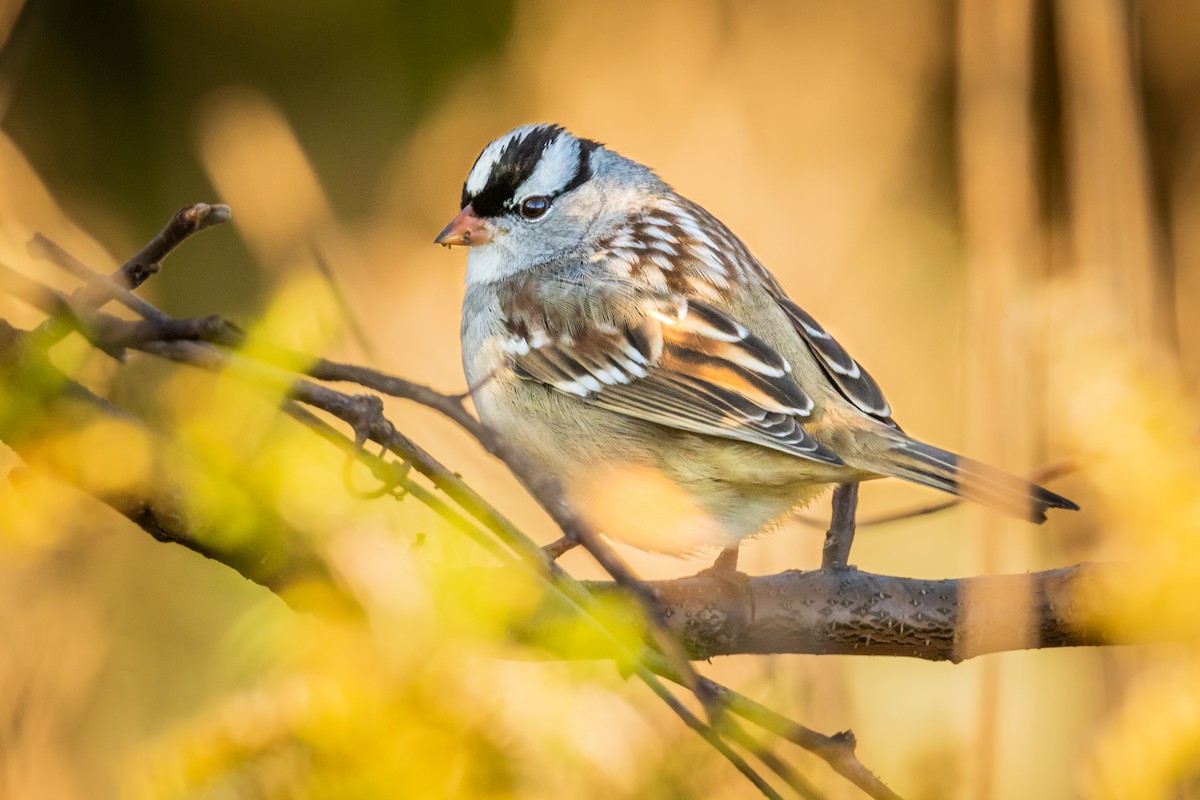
(629, 344)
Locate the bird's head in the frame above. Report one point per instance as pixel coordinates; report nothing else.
(539, 193)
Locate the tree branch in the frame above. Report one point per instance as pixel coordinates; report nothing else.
(850, 612)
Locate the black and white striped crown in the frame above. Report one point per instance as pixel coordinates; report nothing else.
(533, 160)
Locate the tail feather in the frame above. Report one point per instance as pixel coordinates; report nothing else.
(931, 466)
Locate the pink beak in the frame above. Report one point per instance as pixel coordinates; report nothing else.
(466, 229)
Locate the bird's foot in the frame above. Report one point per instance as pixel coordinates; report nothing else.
(724, 569)
(727, 562)
(558, 547)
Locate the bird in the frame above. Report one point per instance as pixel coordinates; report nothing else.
(623, 340)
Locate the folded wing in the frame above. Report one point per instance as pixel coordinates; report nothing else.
(683, 364)
(851, 380)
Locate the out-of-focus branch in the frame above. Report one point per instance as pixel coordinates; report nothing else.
(1115, 239)
(39, 401)
(998, 208)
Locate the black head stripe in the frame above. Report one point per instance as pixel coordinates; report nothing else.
(586, 148)
(516, 164)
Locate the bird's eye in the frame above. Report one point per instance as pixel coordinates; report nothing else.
(534, 207)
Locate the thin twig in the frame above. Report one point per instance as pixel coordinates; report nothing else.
(134, 272)
(711, 736)
(801, 785)
(186, 221)
(348, 315)
(837, 750)
(108, 287)
(619, 650)
(278, 556)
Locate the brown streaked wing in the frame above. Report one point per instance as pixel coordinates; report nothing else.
(851, 380)
(848, 377)
(694, 369)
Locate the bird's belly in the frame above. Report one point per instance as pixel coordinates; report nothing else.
(644, 484)
(556, 431)
(651, 509)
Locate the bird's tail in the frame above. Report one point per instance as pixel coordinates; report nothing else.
(931, 466)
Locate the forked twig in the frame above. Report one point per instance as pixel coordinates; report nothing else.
(133, 273)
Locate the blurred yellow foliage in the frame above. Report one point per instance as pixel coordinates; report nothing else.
(1126, 408)
(823, 134)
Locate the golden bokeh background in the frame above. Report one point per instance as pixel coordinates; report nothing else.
(994, 205)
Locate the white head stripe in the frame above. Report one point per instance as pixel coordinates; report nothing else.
(487, 160)
(558, 159)
(554, 170)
